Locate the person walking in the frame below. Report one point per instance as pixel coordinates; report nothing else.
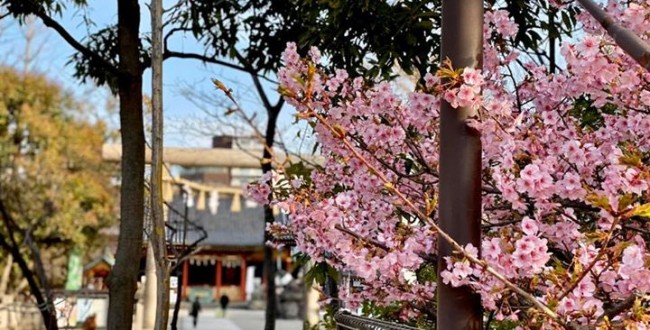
(196, 308)
(224, 303)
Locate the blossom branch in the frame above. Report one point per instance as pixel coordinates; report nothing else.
(591, 265)
(624, 38)
(380, 245)
(457, 247)
(249, 120)
(618, 308)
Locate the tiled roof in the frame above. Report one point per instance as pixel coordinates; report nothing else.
(226, 228)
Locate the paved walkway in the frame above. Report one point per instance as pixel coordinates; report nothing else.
(236, 319)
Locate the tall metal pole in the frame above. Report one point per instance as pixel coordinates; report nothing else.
(460, 164)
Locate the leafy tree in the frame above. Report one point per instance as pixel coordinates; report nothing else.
(362, 37)
(55, 190)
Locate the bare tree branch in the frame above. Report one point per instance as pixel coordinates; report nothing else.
(207, 59)
(44, 302)
(618, 308)
(49, 22)
(171, 54)
(380, 245)
(256, 81)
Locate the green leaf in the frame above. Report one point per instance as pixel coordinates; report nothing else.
(332, 273)
(427, 25)
(598, 201)
(319, 274)
(298, 170)
(301, 259)
(641, 211)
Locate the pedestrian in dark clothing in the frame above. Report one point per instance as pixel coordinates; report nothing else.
(224, 303)
(196, 308)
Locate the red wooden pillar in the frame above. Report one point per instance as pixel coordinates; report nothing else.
(242, 284)
(186, 275)
(218, 279)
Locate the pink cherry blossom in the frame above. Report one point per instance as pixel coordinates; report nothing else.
(558, 192)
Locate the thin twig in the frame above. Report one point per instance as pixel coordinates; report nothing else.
(96, 57)
(378, 244)
(593, 262)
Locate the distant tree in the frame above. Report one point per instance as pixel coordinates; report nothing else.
(55, 190)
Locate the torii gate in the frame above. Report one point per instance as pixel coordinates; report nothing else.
(226, 157)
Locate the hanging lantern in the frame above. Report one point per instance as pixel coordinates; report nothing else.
(213, 202)
(189, 196)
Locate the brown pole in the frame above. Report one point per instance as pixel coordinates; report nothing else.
(460, 164)
(158, 237)
(242, 280)
(217, 292)
(186, 274)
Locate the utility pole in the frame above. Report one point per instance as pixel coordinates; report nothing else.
(460, 165)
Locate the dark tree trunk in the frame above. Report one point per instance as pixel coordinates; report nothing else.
(269, 263)
(46, 308)
(460, 165)
(123, 277)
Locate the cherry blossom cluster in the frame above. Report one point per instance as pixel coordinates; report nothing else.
(566, 170)
(261, 192)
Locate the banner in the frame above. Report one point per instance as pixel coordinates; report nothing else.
(75, 271)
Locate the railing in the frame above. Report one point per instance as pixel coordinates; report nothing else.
(347, 321)
(181, 234)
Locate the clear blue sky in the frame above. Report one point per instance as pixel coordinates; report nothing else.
(186, 123)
